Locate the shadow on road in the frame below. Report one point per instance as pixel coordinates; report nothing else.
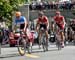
(43, 51)
(9, 55)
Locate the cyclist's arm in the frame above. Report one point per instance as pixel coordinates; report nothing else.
(47, 23)
(25, 24)
(14, 26)
(54, 20)
(64, 21)
(37, 24)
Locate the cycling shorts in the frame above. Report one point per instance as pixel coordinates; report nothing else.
(22, 26)
(60, 26)
(44, 26)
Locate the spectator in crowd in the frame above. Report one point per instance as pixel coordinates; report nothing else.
(52, 5)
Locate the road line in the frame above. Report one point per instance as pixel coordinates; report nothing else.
(31, 56)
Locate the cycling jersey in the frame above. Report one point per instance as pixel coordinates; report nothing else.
(20, 23)
(21, 20)
(43, 20)
(59, 21)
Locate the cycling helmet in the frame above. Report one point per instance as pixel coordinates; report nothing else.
(57, 12)
(41, 13)
(18, 13)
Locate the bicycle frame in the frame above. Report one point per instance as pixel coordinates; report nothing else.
(43, 40)
(21, 42)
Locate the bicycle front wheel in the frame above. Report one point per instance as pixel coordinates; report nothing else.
(21, 46)
(58, 44)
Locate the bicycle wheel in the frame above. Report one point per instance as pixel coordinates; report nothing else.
(21, 46)
(58, 44)
(44, 44)
(40, 43)
(29, 47)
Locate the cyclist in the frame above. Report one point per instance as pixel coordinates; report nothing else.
(42, 22)
(72, 25)
(1, 35)
(60, 22)
(20, 21)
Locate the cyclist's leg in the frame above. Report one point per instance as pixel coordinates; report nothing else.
(62, 38)
(39, 35)
(73, 35)
(46, 40)
(39, 39)
(46, 37)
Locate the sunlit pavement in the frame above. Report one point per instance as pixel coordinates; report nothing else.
(67, 53)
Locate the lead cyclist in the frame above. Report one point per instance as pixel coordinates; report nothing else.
(20, 22)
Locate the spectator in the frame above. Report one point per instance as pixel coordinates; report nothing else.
(1, 35)
(52, 5)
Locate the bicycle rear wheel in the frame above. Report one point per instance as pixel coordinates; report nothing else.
(21, 46)
(45, 44)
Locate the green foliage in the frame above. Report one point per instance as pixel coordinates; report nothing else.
(7, 7)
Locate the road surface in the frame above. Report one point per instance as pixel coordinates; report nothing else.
(67, 53)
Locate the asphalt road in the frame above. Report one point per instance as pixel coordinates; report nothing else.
(67, 53)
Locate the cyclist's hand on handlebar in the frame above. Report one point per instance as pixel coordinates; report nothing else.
(13, 31)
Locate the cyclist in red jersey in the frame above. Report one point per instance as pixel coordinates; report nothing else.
(60, 21)
(42, 22)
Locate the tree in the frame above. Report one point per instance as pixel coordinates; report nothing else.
(7, 7)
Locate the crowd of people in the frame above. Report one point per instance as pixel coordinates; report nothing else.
(52, 5)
